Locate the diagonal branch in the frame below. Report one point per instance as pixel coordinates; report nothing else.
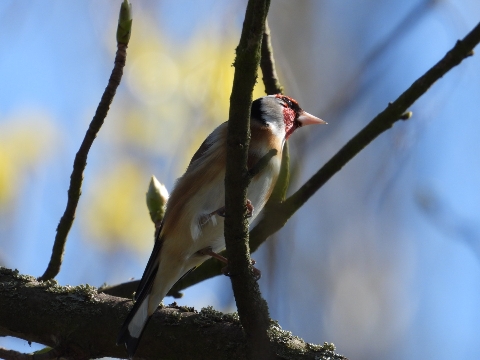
(382, 122)
(277, 215)
(80, 162)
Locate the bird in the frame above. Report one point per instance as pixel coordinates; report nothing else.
(192, 227)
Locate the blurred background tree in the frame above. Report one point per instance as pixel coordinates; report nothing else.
(383, 261)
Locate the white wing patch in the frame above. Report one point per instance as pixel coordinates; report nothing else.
(195, 229)
(199, 222)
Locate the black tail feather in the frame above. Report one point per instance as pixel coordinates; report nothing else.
(124, 337)
(131, 343)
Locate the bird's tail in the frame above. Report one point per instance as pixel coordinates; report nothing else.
(137, 319)
(156, 282)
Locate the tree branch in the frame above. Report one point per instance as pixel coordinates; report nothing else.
(79, 323)
(212, 267)
(276, 217)
(267, 64)
(394, 111)
(273, 86)
(252, 308)
(80, 162)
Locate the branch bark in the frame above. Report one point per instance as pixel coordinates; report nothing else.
(80, 323)
(252, 308)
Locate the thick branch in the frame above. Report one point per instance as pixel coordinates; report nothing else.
(252, 308)
(212, 267)
(80, 162)
(79, 323)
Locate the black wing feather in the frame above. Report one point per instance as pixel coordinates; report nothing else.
(151, 263)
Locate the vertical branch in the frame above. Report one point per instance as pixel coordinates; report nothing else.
(267, 64)
(80, 162)
(252, 308)
(273, 86)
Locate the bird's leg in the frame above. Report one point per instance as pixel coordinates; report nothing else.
(221, 211)
(225, 271)
(208, 251)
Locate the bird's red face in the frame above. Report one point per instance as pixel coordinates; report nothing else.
(294, 116)
(290, 114)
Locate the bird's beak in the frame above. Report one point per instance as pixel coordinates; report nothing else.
(308, 119)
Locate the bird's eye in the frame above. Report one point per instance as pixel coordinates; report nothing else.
(288, 102)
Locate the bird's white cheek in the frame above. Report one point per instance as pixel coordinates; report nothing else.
(195, 229)
(213, 219)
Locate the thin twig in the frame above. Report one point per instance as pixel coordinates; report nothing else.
(350, 92)
(273, 86)
(80, 161)
(267, 64)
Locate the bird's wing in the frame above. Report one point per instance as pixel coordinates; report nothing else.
(152, 265)
(216, 134)
(201, 150)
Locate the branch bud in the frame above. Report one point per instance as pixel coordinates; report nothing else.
(124, 28)
(157, 196)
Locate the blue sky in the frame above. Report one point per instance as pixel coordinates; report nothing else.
(418, 265)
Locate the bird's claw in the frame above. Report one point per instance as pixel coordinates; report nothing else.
(250, 208)
(257, 274)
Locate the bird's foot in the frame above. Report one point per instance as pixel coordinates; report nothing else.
(250, 208)
(208, 251)
(225, 270)
(256, 273)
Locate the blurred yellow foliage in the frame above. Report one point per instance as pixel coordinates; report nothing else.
(117, 213)
(178, 92)
(184, 88)
(26, 138)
